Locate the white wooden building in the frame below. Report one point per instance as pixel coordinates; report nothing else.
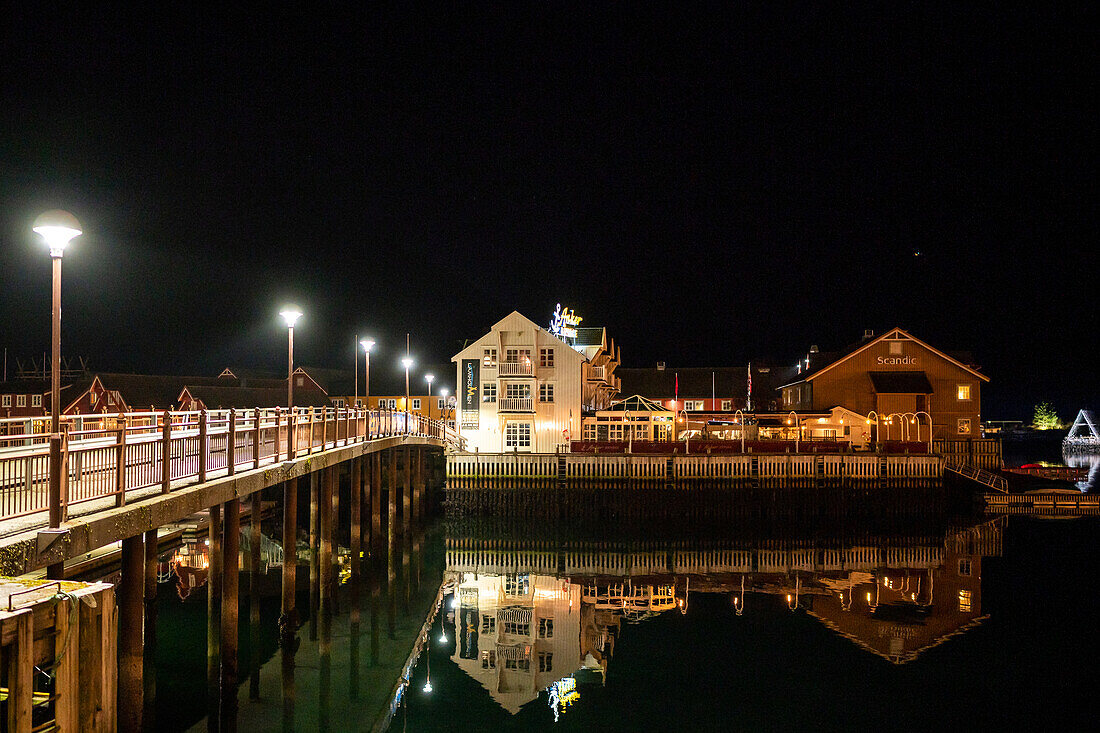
(519, 389)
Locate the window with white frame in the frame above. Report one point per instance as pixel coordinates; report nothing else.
(488, 624)
(964, 426)
(517, 584)
(521, 664)
(546, 358)
(964, 566)
(21, 400)
(416, 403)
(489, 392)
(110, 398)
(517, 435)
(964, 601)
(546, 661)
(392, 404)
(546, 392)
(517, 390)
(962, 392)
(615, 432)
(489, 358)
(590, 431)
(36, 400)
(693, 405)
(440, 403)
(489, 659)
(727, 405)
(5, 401)
(517, 356)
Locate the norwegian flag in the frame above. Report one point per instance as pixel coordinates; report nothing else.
(676, 394)
(750, 386)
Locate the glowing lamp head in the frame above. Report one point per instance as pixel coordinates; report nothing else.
(290, 314)
(429, 378)
(428, 686)
(444, 392)
(367, 345)
(407, 362)
(443, 638)
(57, 228)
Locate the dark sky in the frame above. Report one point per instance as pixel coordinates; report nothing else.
(712, 183)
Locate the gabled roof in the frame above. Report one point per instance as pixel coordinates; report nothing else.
(891, 335)
(636, 403)
(225, 397)
(695, 382)
(508, 323)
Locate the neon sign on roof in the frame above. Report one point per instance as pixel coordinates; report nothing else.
(564, 322)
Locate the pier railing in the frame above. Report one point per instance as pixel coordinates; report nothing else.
(108, 455)
(475, 469)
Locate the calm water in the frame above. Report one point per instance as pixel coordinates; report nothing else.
(935, 620)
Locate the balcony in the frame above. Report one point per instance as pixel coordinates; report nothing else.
(516, 404)
(596, 373)
(514, 369)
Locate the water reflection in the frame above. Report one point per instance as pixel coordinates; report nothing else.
(1091, 462)
(537, 618)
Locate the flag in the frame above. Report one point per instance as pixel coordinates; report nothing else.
(749, 404)
(676, 394)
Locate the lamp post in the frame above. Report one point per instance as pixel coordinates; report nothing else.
(443, 392)
(57, 228)
(792, 412)
(367, 345)
(872, 412)
(740, 421)
(687, 435)
(429, 378)
(915, 416)
(407, 362)
(290, 314)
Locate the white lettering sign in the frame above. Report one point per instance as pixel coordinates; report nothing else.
(895, 360)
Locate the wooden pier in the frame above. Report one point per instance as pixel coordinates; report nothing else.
(534, 470)
(59, 656)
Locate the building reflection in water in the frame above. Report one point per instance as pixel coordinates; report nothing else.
(533, 617)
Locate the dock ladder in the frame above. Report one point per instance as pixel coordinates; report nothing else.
(992, 480)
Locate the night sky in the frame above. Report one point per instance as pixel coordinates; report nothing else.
(712, 183)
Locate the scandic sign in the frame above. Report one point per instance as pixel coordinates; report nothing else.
(896, 360)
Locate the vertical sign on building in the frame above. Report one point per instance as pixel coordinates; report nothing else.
(470, 400)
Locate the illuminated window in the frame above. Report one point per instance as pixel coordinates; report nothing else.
(489, 358)
(694, 405)
(21, 400)
(36, 400)
(546, 661)
(488, 624)
(517, 584)
(516, 390)
(416, 403)
(590, 431)
(964, 601)
(489, 392)
(516, 356)
(615, 433)
(546, 392)
(489, 660)
(546, 628)
(963, 392)
(7, 401)
(393, 404)
(964, 426)
(964, 566)
(546, 358)
(727, 405)
(517, 435)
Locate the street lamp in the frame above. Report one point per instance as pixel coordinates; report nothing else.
(429, 378)
(740, 422)
(407, 362)
(290, 314)
(915, 416)
(872, 412)
(687, 432)
(792, 412)
(57, 228)
(367, 345)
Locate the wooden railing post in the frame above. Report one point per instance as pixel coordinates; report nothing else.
(276, 451)
(65, 472)
(203, 444)
(120, 465)
(166, 452)
(256, 438)
(291, 433)
(231, 444)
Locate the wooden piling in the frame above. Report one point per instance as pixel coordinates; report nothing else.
(130, 632)
(254, 538)
(376, 500)
(230, 609)
(314, 561)
(213, 616)
(406, 488)
(149, 652)
(289, 618)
